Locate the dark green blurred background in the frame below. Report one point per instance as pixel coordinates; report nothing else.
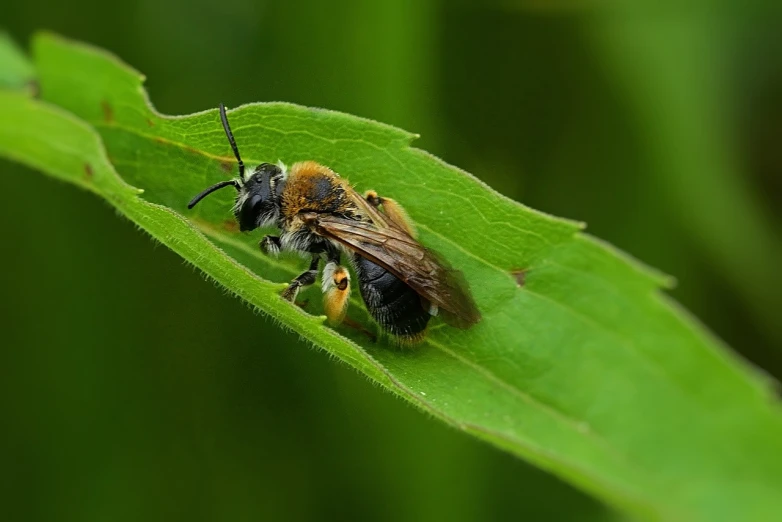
(133, 389)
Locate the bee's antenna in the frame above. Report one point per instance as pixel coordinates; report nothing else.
(211, 189)
(231, 140)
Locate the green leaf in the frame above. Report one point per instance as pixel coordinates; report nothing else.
(16, 71)
(580, 365)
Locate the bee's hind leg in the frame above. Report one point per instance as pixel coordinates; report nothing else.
(393, 210)
(305, 279)
(336, 291)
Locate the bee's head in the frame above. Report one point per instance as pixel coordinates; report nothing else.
(258, 197)
(258, 200)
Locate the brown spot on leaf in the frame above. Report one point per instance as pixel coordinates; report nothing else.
(88, 172)
(150, 122)
(108, 111)
(34, 88)
(520, 276)
(227, 166)
(231, 225)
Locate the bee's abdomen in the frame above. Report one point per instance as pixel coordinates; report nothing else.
(391, 302)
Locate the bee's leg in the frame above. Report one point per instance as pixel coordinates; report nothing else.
(270, 245)
(305, 279)
(336, 290)
(392, 210)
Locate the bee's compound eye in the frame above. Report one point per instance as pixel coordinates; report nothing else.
(254, 204)
(248, 214)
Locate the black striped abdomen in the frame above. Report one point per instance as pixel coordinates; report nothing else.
(391, 302)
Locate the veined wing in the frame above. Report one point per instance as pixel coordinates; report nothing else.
(421, 268)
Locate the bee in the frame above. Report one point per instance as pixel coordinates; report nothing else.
(318, 213)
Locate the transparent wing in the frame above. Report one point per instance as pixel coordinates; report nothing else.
(421, 268)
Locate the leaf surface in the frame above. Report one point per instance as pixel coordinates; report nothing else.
(580, 365)
(16, 71)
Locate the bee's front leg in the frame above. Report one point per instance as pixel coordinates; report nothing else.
(270, 245)
(305, 279)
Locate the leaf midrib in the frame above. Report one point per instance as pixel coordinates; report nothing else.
(211, 231)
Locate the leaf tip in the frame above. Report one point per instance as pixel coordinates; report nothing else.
(44, 39)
